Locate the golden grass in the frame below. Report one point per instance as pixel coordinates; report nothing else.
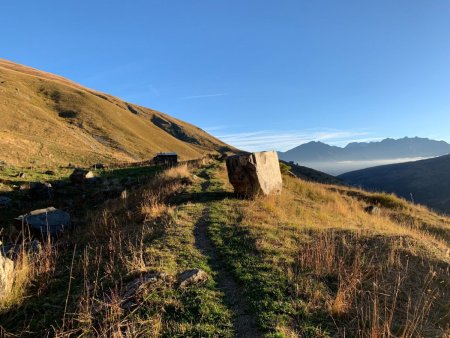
(30, 266)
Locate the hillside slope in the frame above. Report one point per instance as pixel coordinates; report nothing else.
(426, 181)
(48, 120)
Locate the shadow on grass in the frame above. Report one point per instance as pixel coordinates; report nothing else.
(201, 197)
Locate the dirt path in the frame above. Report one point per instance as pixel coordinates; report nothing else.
(244, 321)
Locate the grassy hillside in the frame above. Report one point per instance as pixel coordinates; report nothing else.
(308, 263)
(427, 182)
(47, 120)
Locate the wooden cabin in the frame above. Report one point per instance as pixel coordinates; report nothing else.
(166, 159)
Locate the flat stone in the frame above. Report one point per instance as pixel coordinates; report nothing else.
(191, 277)
(47, 221)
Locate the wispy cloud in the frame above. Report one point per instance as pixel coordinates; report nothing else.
(211, 129)
(201, 96)
(285, 140)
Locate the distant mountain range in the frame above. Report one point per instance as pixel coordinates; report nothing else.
(337, 160)
(425, 182)
(356, 151)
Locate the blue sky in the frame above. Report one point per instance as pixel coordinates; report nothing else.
(258, 74)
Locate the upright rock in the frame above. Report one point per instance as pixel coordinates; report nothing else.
(255, 174)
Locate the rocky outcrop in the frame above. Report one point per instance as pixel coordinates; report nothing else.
(79, 176)
(255, 174)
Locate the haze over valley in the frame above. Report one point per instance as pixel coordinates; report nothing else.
(359, 155)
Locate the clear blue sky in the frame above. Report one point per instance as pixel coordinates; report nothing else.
(260, 74)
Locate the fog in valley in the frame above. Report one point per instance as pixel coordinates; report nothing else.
(341, 167)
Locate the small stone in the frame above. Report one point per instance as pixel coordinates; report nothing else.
(191, 277)
(124, 195)
(372, 210)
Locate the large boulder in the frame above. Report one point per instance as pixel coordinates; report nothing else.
(255, 174)
(48, 221)
(80, 176)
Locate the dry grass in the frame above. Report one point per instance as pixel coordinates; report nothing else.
(177, 173)
(31, 266)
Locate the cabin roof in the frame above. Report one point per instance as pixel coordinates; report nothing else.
(166, 154)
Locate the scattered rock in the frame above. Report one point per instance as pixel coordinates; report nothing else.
(49, 172)
(21, 175)
(6, 273)
(372, 210)
(4, 201)
(98, 166)
(80, 176)
(255, 174)
(138, 285)
(191, 277)
(48, 221)
(41, 191)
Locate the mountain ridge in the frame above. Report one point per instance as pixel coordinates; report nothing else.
(388, 148)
